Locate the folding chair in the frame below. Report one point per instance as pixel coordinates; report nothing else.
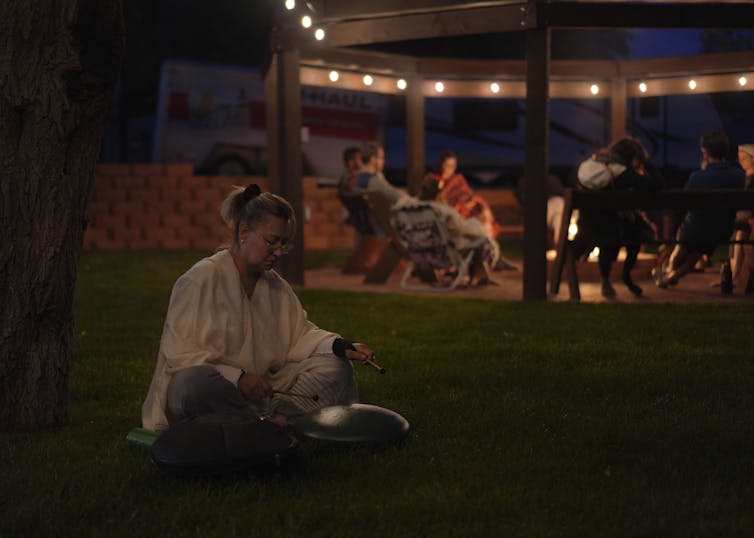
(426, 240)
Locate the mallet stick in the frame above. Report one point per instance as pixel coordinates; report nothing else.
(375, 365)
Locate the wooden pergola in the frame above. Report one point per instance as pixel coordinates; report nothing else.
(298, 58)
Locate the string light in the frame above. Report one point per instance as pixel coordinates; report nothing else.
(319, 34)
(573, 227)
(495, 87)
(306, 21)
(290, 4)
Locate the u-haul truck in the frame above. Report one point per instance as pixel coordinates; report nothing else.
(214, 116)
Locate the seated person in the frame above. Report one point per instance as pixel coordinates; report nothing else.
(352, 165)
(371, 177)
(446, 186)
(465, 234)
(358, 215)
(625, 165)
(743, 230)
(702, 230)
(236, 335)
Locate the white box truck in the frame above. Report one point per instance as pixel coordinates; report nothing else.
(214, 116)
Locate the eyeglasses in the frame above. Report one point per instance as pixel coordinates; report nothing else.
(278, 243)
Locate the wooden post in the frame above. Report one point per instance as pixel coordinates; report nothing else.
(536, 166)
(284, 161)
(618, 109)
(415, 133)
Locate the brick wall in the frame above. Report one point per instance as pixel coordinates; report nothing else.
(140, 206)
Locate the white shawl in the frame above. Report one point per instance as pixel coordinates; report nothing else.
(210, 320)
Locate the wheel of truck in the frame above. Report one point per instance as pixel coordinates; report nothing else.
(231, 167)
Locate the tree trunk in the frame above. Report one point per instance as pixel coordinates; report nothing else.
(58, 63)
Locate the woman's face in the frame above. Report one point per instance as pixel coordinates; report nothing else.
(380, 159)
(746, 160)
(263, 245)
(448, 167)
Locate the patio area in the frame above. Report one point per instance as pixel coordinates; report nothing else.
(694, 288)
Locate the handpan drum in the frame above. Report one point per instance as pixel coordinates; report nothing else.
(349, 423)
(355, 423)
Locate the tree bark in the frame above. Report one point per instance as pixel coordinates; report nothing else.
(59, 60)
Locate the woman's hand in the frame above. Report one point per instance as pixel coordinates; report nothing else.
(253, 387)
(361, 352)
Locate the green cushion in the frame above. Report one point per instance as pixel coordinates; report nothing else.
(141, 437)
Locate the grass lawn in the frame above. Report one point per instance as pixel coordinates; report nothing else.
(542, 419)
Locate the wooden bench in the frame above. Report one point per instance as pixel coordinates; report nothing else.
(620, 200)
(393, 252)
(370, 245)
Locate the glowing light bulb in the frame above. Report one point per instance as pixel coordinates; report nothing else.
(692, 84)
(319, 34)
(495, 87)
(742, 81)
(306, 21)
(401, 84)
(573, 229)
(643, 87)
(334, 76)
(439, 87)
(290, 4)
(368, 80)
(594, 89)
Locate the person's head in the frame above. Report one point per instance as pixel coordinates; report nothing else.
(263, 226)
(352, 158)
(630, 153)
(374, 157)
(746, 157)
(447, 164)
(714, 146)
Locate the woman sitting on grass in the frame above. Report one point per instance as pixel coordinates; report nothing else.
(236, 336)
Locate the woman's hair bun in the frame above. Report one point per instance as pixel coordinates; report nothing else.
(252, 191)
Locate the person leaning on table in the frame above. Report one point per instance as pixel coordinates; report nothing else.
(235, 332)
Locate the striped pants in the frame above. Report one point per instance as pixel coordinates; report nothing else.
(202, 390)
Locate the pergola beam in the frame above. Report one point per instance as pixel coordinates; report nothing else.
(340, 10)
(480, 20)
(536, 163)
(363, 60)
(390, 21)
(459, 68)
(686, 65)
